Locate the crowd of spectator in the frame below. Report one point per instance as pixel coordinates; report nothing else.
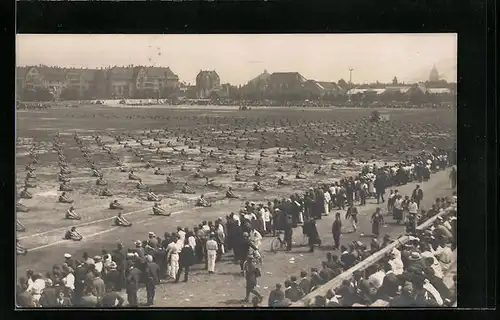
(410, 275)
(97, 281)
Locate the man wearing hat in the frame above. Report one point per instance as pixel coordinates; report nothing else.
(132, 284)
(152, 276)
(139, 249)
(119, 257)
(152, 241)
(417, 195)
(112, 278)
(69, 261)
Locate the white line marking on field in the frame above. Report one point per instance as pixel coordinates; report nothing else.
(93, 235)
(80, 225)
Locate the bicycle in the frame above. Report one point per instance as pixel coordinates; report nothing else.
(278, 243)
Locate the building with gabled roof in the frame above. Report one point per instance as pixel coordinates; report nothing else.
(207, 81)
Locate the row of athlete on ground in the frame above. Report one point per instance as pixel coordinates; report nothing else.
(313, 204)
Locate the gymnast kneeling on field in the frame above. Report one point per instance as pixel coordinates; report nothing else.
(120, 221)
(72, 234)
(72, 215)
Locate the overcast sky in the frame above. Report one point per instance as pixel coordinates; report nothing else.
(239, 58)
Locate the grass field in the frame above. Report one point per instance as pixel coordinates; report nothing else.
(332, 136)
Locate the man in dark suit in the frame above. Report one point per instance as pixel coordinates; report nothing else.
(417, 195)
(160, 257)
(305, 282)
(294, 292)
(80, 275)
(24, 299)
(186, 260)
(380, 185)
(390, 285)
(119, 255)
(132, 284)
(98, 286)
(275, 295)
(48, 299)
(152, 279)
(326, 273)
(112, 278)
(251, 275)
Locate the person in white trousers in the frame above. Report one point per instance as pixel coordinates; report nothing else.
(326, 204)
(212, 248)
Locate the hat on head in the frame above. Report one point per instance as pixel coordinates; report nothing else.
(440, 218)
(112, 265)
(415, 256)
(97, 258)
(138, 242)
(151, 234)
(67, 255)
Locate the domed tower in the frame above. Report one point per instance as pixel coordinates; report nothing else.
(434, 75)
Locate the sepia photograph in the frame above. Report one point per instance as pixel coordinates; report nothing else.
(236, 170)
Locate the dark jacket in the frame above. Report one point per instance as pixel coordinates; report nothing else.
(274, 295)
(326, 274)
(337, 227)
(389, 286)
(152, 273)
(417, 194)
(25, 300)
(186, 257)
(71, 263)
(108, 300)
(66, 302)
(89, 301)
(112, 279)
(119, 257)
(251, 274)
(294, 293)
(48, 299)
(133, 279)
(305, 285)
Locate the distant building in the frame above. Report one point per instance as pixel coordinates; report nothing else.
(256, 88)
(151, 82)
(207, 81)
(434, 74)
(286, 86)
(121, 81)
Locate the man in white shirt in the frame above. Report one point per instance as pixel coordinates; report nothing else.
(255, 237)
(98, 263)
(396, 262)
(326, 203)
(69, 278)
(36, 288)
(173, 257)
(266, 218)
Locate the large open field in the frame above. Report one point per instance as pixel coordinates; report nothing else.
(331, 136)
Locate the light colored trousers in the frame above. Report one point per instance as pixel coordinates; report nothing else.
(173, 267)
(327, 208)
(211, 255)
